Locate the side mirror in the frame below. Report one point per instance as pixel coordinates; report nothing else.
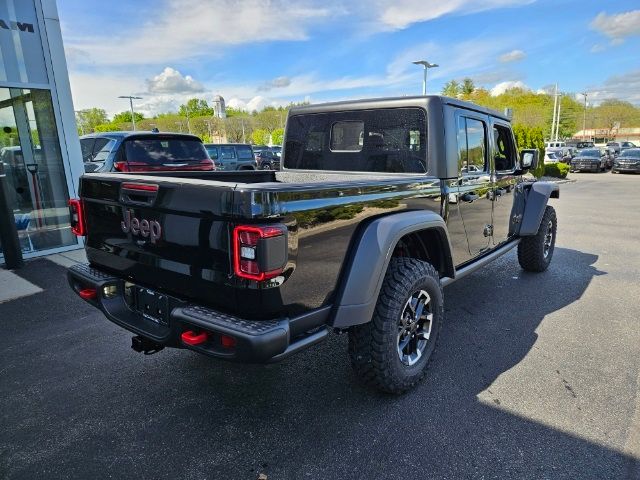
(528, 159)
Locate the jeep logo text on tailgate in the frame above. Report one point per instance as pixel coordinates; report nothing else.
(144, 227)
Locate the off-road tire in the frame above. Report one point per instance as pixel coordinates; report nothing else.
(531, 250)
(373, 346)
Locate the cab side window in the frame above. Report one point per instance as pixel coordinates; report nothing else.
(472, 146)
(504, 155)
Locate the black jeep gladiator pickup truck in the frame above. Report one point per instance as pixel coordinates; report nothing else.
(378, 205)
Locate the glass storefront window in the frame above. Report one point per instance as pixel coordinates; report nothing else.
(32, 161)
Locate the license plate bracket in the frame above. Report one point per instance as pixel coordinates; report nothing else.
(152, 305)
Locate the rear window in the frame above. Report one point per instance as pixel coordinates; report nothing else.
(383, 140)
(162, 151)
(244, 152)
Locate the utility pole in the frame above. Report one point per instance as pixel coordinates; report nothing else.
(133, 116)
(558, 119)
(584, 117)
(208, 122)
(555, 106)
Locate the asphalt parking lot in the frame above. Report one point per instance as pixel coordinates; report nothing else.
(535, 376)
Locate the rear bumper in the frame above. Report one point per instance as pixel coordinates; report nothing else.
(254, 341)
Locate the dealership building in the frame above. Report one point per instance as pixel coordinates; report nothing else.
(39, 147)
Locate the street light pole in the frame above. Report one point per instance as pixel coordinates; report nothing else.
(131, 99)
(426, 66)
(584, 117)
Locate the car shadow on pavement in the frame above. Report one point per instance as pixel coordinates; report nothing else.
(97, 408)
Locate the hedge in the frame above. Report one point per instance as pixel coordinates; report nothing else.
(558, 170)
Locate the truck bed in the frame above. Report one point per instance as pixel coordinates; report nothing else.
(198, 211)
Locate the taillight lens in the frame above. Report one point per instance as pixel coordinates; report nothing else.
(121, 166)
(76, 214)
(259, 252)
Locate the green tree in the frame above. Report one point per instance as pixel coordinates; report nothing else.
(531, 137)
(125, 117)
(195, 107)
(467, 87)
(270, 120)
(238, 129)
(107, 127)
(88, 118)
(451, 89)
(260, 137)
(277, 136)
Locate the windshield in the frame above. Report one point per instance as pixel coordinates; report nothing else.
(164, 151)
(635, 153)
(590, 153)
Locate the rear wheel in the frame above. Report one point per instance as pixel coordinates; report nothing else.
(535, 252)
(390, 353)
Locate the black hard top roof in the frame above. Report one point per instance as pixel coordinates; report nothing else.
(393, 102)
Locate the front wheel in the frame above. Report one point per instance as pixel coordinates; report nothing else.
(535, 252)
(390, 353)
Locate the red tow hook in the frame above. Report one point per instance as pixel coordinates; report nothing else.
(88, 293)
(191, 338)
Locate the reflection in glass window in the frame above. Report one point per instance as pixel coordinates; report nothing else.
(347, 136)
(505, 153)
(30, 152)
(471, 146)
(102, 149)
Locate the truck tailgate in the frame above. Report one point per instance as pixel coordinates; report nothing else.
(155, 231)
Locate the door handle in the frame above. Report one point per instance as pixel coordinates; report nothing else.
(469, 197)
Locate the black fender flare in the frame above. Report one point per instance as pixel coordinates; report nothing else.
(536, 202)
(362, 278)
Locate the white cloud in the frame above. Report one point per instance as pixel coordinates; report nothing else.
(183, 29)
(597, 48)
(172, 81)
(399, 14)
(625, 86)
(512, 56)
(279, 82)
(502, 87)
(618, 26)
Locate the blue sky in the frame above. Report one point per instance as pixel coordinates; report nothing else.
(261, 52)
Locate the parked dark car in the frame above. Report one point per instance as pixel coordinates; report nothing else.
(268, 160)
(619, 147)
(232, 156)
(369, 218)
(143, 152)
(627, 161)
(591, 159)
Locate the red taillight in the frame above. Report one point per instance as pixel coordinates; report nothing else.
(88, 293)
(76, 213)
(121, 166)
(201, 166)
(246, 255)
(145, 187)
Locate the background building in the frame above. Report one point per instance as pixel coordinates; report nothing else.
(39, 147)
